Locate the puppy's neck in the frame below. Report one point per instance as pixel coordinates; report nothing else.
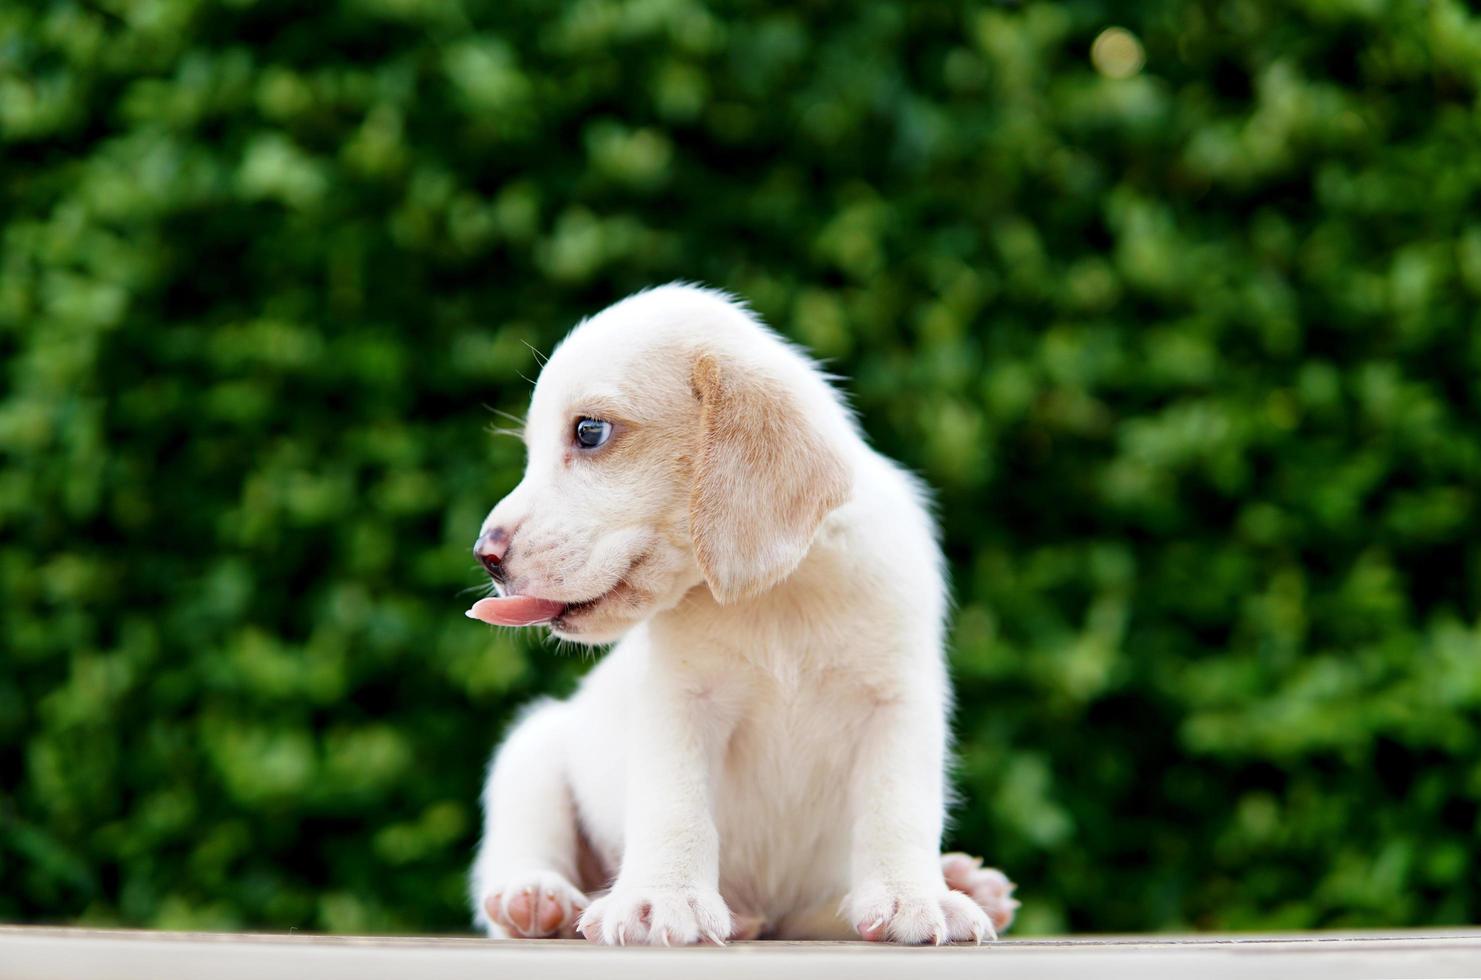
(818, 597)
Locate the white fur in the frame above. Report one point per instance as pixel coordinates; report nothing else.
(779, 759)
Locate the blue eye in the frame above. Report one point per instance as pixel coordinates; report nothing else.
(591, 433)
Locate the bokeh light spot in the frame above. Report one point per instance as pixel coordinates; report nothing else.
(1116, 53)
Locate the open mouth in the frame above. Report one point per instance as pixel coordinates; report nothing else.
(526, 610)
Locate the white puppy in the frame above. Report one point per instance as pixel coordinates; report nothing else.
(763, 753)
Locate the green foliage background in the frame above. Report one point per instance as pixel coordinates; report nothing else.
(1192, 357)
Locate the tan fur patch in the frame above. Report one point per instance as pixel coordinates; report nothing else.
(764, 480)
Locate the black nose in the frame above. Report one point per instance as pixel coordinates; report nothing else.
(490, 549)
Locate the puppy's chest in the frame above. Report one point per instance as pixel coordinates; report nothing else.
(796, 727)
(783, 794)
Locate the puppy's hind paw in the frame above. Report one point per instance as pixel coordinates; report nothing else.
(988, 887)
(535, 905)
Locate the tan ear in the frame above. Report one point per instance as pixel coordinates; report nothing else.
(764, 479)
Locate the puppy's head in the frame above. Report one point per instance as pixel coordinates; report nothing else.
(672, 441)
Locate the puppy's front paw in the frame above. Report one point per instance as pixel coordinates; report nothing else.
(926, 915)
(535, 905)
(988, 887)
(657, 916)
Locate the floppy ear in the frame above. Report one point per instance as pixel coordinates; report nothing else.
(764, 479)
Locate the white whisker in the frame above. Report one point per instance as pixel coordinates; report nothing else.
(533, 350)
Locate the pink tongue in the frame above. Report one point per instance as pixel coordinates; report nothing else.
(515, 610)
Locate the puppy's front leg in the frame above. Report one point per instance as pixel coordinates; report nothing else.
(898, 891)
(667, 891)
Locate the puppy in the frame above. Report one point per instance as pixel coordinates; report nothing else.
(763, 752)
